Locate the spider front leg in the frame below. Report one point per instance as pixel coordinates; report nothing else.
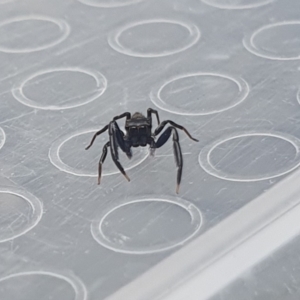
(176, 149)
(121, 142)
(101, 161)
(114, 148)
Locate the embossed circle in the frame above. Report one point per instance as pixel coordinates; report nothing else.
(298, 96)
(78, 99)
(18, 223)
(118, 243)
(278, 41)
(116, 44)
(55, 156)
(214, 82)
(75, 284)
(205, 159)
(237, 4)
(20, 24)
(109, 3)
(2, 137)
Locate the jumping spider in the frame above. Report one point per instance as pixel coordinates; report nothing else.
(138, 133)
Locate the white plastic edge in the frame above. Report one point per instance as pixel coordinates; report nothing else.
(219, 256)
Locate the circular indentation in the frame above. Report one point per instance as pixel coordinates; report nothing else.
(251, 156)
(237, 4)
(16, 215)
(109, 3)
(2, 137)
(60, 88)
(298, 96)
(146, 226)
(31, 33)
(41, 285)
(200, 94)
(277, 41)
(68, 154)
(154, 38)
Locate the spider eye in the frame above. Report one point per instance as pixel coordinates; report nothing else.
(133, 129)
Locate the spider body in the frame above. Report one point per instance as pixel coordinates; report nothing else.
(138, 130)
(138, 133)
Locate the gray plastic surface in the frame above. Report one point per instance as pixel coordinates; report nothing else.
(227, 70)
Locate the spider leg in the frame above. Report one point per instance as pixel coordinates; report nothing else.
(164, 123)
(125, 114)
(153, 111)
(114, 148)
(119, 134)
(176, 149)
(101, 161)
(95, 135)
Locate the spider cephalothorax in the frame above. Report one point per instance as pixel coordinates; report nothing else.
(138, 133)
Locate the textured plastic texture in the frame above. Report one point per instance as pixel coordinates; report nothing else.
(227, 70)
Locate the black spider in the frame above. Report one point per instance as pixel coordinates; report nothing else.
(138, 133)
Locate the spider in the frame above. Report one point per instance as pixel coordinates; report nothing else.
(139, 134)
